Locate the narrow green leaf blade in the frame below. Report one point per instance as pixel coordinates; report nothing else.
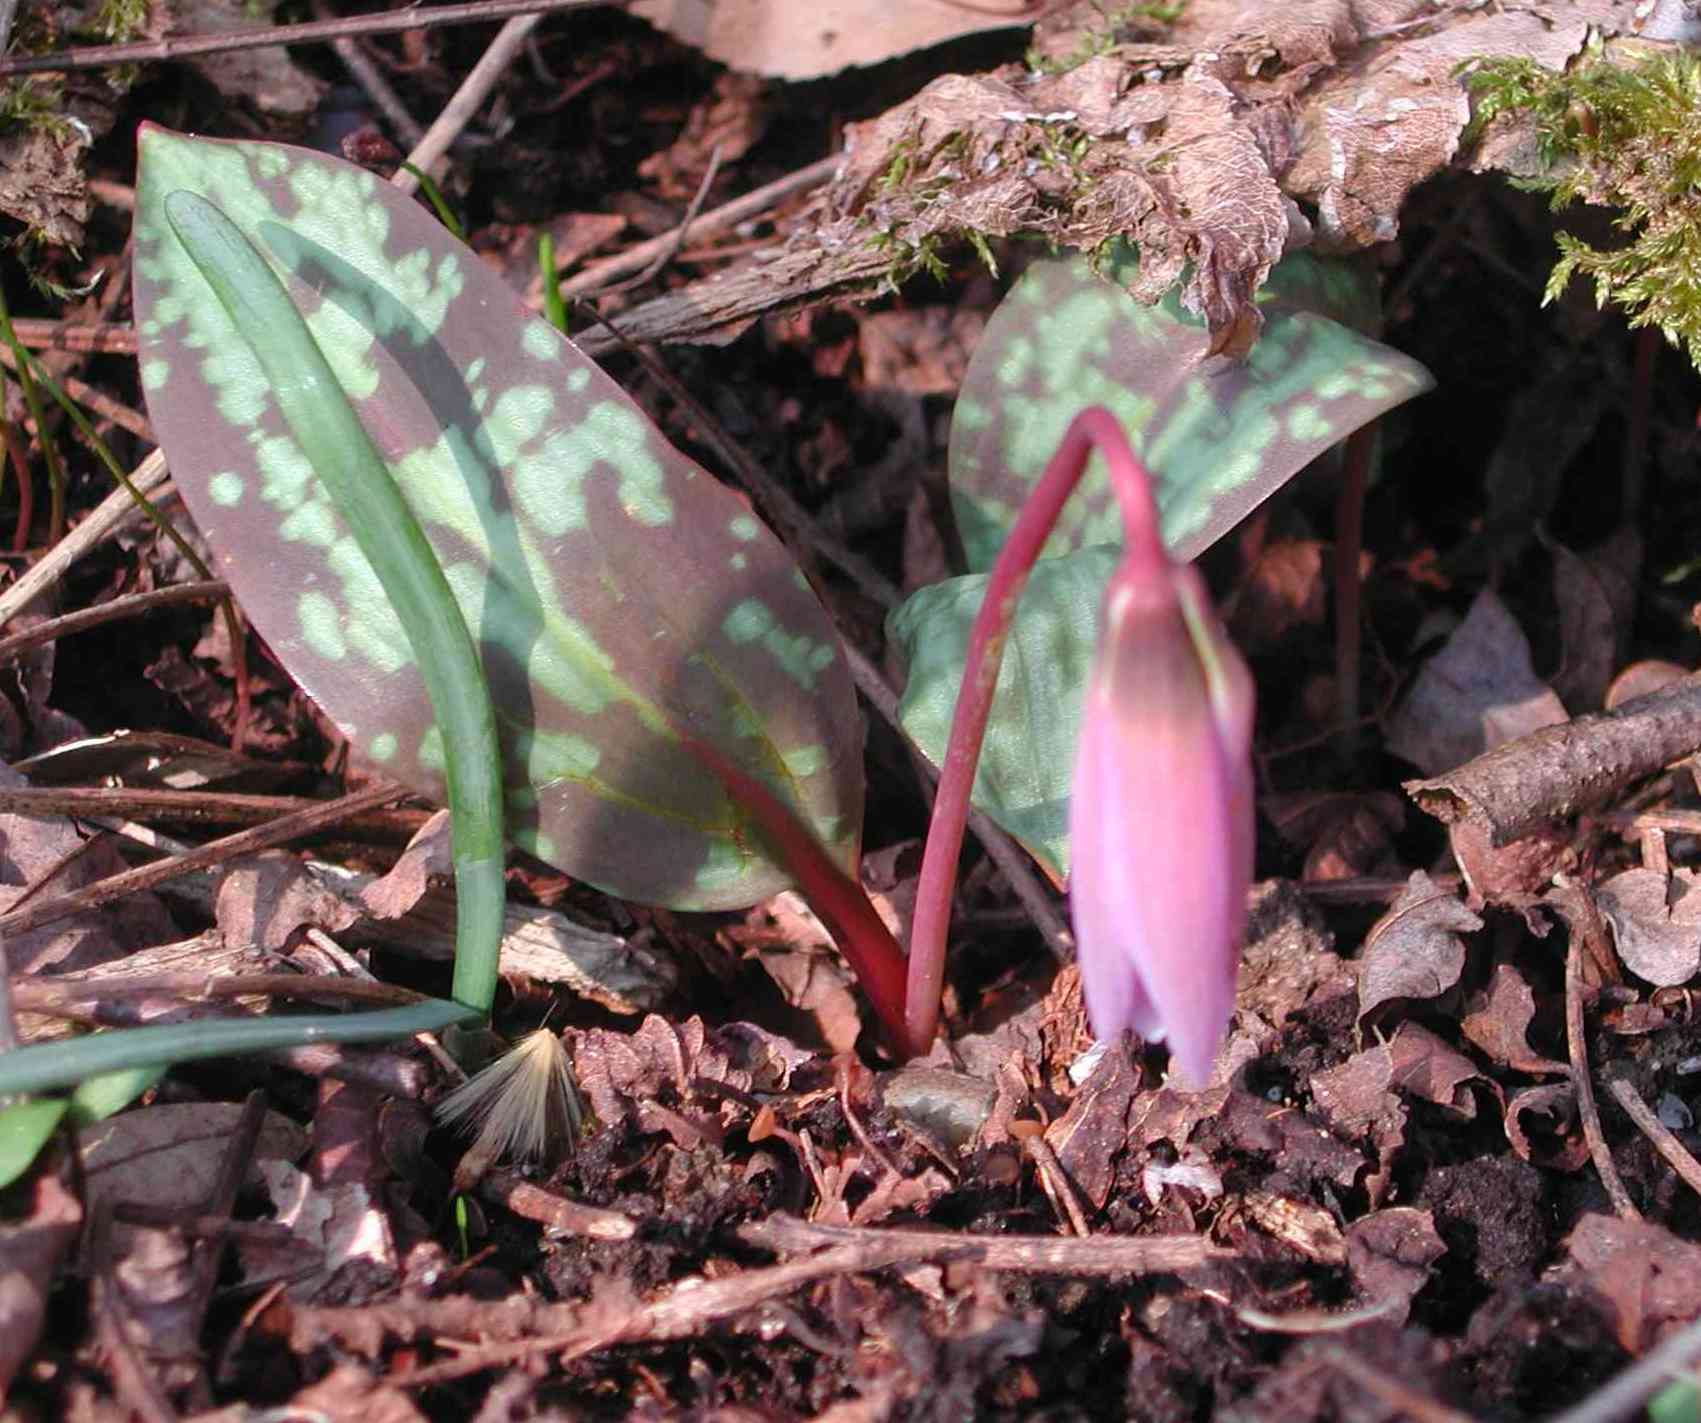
(1219, 436)
(622, 599)
(26, 1127)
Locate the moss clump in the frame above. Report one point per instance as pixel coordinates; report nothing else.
(1105, 38)
(1626, 137)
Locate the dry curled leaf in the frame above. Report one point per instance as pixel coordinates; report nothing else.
(1389, 1254)
(1499, 1023)
(1414, 950)
(1542, 1125)
(1656, 923)
(1478, 691)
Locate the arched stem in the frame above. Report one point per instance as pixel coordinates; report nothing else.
(1093, 428)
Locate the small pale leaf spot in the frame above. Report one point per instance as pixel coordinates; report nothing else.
(225, 489)
(540, 342)
(314, 522)
(155, 373)
(743, 528)
(804, 761)
(738, 562)
(383, 747)
(321, 626)
(577, 379)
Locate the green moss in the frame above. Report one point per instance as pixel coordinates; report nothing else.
(1103, 39)
(34, 103)
(1626, 136)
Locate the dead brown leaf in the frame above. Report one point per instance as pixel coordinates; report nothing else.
(34, 848)
(1514, 875)
(786, 40)
(270, 898)
(263, 77)
(30, 1251)
(1389, 1254)
(1656, 923)
(1499, 1023)
(1414, 950)
(918, 350)
(338, 1231)
(648, 1078)
(1646, 1279)
(1283, 590)
(1542, 1125)
(168, 1154)
(1480, 690)
(429, 855)
(1091, 1136)
(731, 121)
(1596, 595)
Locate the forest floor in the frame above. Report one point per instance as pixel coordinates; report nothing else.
(1443, 1171)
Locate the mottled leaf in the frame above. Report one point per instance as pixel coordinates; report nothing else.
(1025, 762)
(1219, 435)
(625, 603)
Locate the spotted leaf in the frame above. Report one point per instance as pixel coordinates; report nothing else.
(627, 606)
(1219, 436)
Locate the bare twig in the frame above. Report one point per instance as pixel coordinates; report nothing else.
(197, 807)
(758, 200)
(114, 609)
(465, 102)
(112, 513)
(370, 78)
(1665, 1141)
(554, 1211)
(52, 997)
(683, 1311)
(101, 404)
(1581, 1082)
(1567, 769)
(1632, 1388)
(309, 32)
(668, 253)
(40, 334)
(1095, 1256)
(276, 832)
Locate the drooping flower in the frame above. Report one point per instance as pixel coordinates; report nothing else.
(1160, 825)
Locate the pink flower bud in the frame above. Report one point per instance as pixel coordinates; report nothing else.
(1160, 826)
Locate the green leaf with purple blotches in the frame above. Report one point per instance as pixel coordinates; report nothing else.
(623, 600)
(1218, 436)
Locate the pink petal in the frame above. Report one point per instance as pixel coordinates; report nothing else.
(1160, 829)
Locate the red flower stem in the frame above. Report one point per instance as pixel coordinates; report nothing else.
(839, 901)
(1092, 428)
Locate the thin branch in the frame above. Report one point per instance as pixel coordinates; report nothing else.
(465, 102)
(130, 605)
(112, 513)
(1665, 1140)
(1640, 1382)
(276, 832)
(371, 79)
(1581, 1082)
(308, 32)
(598, 275)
